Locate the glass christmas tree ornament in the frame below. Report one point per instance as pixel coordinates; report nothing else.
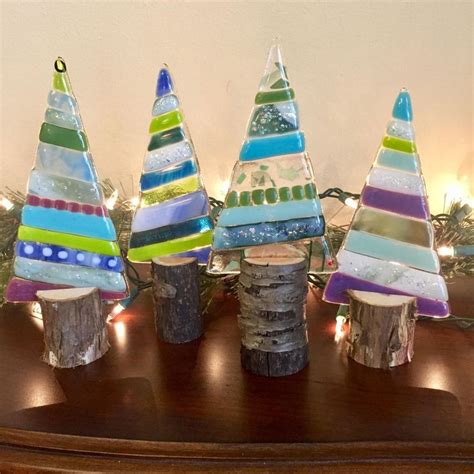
(389, 247)
(66, 237)
(173, 214)
(272, 208)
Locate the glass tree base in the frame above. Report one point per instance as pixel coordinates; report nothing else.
(317, 250)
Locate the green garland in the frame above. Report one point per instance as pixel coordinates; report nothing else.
(454, 228)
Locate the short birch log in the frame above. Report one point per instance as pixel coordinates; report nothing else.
(381, 329)
(75, 330)
(272, 318)
(177, 299)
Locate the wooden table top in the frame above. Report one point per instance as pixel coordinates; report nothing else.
(191, 407)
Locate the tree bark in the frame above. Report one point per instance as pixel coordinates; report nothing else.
(272, 293)
(177, 299)
(75, 330)
(381, 329)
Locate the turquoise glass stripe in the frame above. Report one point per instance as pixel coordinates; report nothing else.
(282, 211)
(400, 161)
(259, 148)
(68, 222)
(402, 108)
(158, 178)
(73, 275)
(371, 245)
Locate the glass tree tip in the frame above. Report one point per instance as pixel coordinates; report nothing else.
(164, 83)
(60, 64)
(402, 108)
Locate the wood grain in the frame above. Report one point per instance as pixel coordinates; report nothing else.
(151, 406)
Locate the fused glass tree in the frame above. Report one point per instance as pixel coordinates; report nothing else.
(173, 214)
(272, 208)
(389, 247)
(66, 238)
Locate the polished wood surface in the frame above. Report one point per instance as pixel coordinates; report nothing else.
(191, 407)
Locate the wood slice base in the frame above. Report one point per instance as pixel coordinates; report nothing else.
(381, 329)
(272, 322)
(177, 299)
(274, 364)
(75, 330)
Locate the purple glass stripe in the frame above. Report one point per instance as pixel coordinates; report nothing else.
(335, 292)
(23, 291)
(399, 203)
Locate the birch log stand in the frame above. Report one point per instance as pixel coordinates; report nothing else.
(75, 331)
(272, 318)
(381, 329)
(177, 299)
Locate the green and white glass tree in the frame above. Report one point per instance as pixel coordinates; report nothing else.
(66, 237)
(272, 208)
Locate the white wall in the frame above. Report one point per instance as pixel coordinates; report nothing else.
(346, 61)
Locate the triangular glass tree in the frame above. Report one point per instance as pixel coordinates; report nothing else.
(389, 247)
(66, 238)
(272, 208)
(173, 214)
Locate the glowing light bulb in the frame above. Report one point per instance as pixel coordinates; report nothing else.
(116, 310)
(350, 202)
(224, 187)
(6, 203)
(36, 310)
(112, 200)
(134, 202)
(446, 251)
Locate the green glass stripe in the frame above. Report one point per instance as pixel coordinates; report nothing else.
(277, 96)
(170, 191)
(88, 244)
(395, 227)
(65, 137)
(285, 194)
(232, 199)
(184, 244)
(297, 192)
(168, 137)
(399, 144)
(61, 82)
(245, 199)
(165, 121)
(310, 190)
(258, 196)
(271, 195)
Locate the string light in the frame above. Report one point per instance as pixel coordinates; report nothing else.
(36, 310)
(341, 319)
(347, 200)
(456, 251)
(112, 200)
(122, 305)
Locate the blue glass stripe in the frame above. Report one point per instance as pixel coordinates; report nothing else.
(259, 148)
(65, 162)
(171, 232)
(283, 211)
(226, 238)
(57, 254)
(68, 222)
(171, 212)
(158, 178)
